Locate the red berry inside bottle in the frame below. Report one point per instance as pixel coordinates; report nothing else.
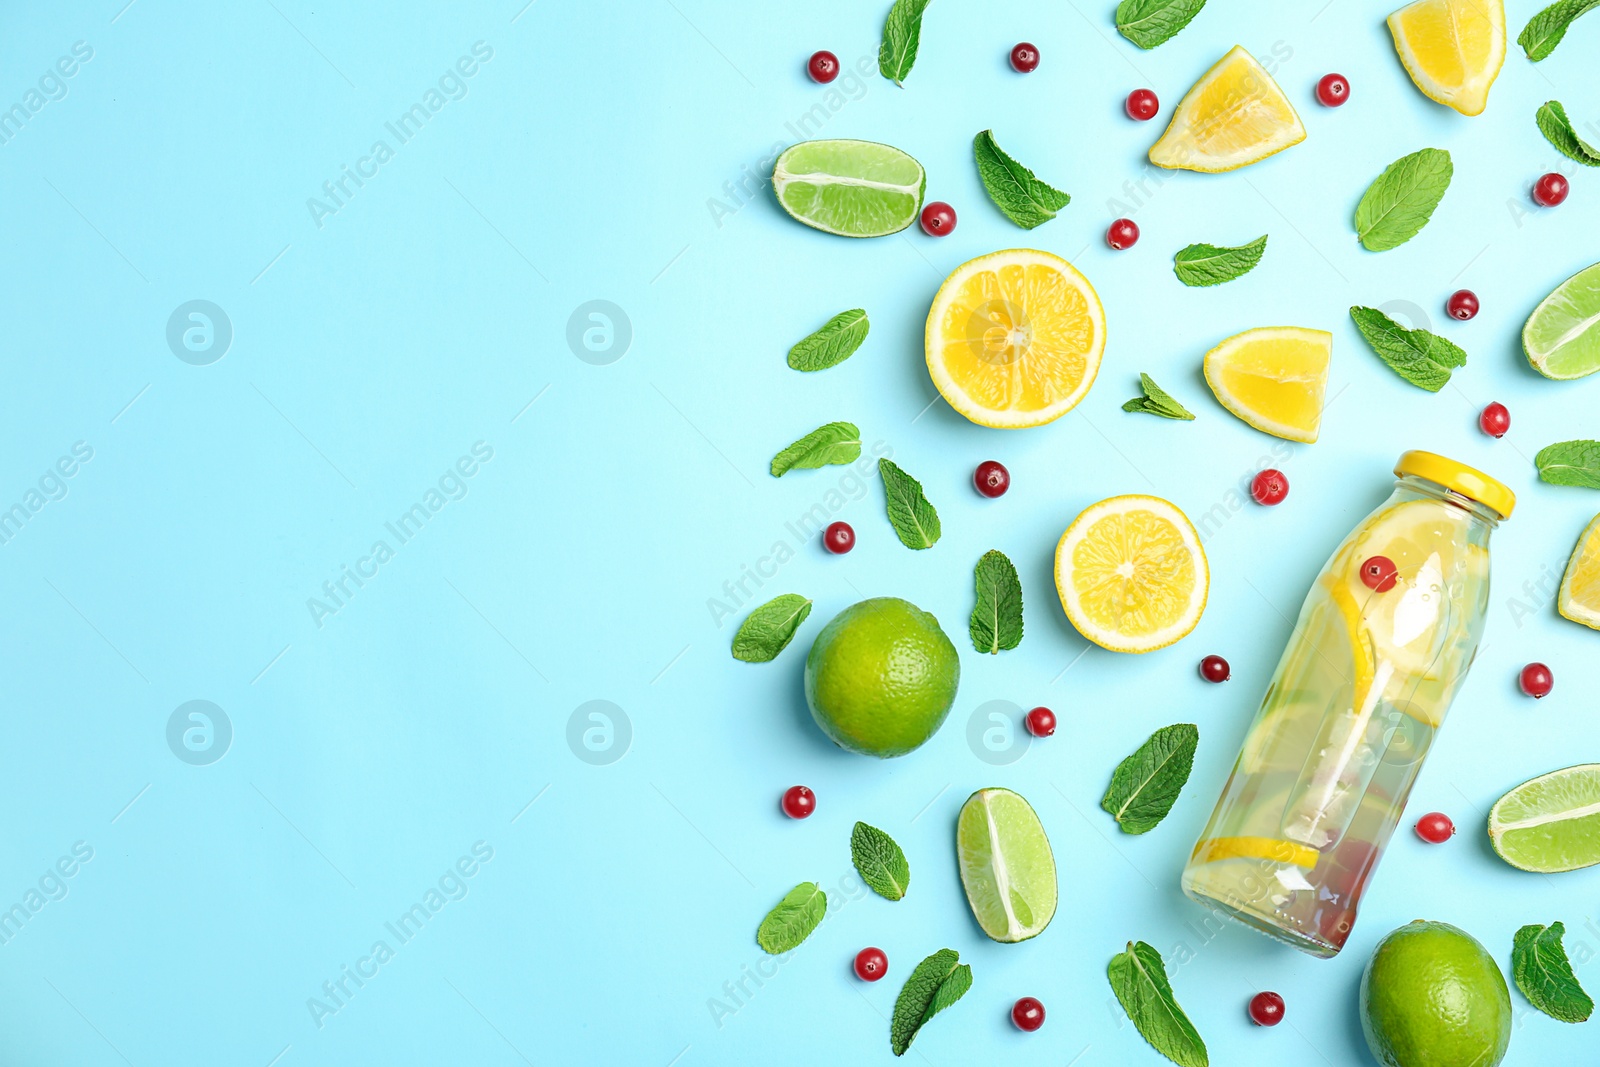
(871, 964)
(1124, 233)
(991, 478)
(1025, 58)
(1495, 420)
(1266, 1009)
(1463, 304)
(1379, 574)
(799, 802)
(1028, 1014)
(1435, 828)
(1551, 189)
(1142, 104)
(938, 218)
(1041, 722)
(1536, 680)
(1215, 669)
(1333, 90)
(1270, 487)
(839, 538)
(823, 67)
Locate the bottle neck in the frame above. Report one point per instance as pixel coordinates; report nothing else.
(1422, 488)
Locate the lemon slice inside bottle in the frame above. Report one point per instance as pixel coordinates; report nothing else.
(1212, 849)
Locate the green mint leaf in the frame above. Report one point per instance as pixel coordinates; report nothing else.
(1396, 206)
(997, 620)
(1570, 463)
(1545, 30)
(1557, 129)
(1139, 979)
(1146, 784)
(834, 443)
(1539, 966)
(792, 921)
(1203, 264)
(902, 31)
(836, 342)
(879, 861)
(1148, 23)
(1424, 359)
(1156, 401)
(913, 518)
(938, 982)
(1021, 197)
(768, 630)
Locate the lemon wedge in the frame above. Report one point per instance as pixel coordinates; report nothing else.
(1453, 49)
(1579, 599)
(1273, 378)
(1131, 573)
(1235, 115)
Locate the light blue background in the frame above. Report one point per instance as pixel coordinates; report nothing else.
(431, 711)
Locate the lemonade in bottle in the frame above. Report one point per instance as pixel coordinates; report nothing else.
(1383, 642)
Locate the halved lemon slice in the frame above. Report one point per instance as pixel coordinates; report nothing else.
(1131, 573)
(1014, 338)
(1453, 49)
(1579, 599)
(1255, 848)
(1273, 378)
(1235, 115)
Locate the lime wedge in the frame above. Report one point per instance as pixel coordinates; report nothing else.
(1562, 336)
(851, 188)
(1551, 823)
(1007, 868)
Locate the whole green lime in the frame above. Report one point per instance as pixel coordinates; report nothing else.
(1431, 996)
(881, 677)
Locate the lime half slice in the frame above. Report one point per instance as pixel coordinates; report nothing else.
(851, 188)
(1007, 868)
(1562, 336)
(1551, 823)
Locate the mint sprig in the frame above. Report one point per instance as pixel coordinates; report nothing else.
(915, 521)
(902, 33)
(833, 443)
(1145, 785)
(879, 861)
(1203, 264)
(938, 982)
(1156, 401)
(996, 622)
(1546, 29)
(831, 345)
(793, 919)
(1139, 979)
(767, 630)
(1557, 129)
(1399, 203)
(1021, 197)
(1570, 463)
(1424, 359)
(1148, 23)
(1541, 970)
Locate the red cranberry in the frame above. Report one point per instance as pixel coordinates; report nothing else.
(1028, 1014)
(1379, 574)
(871, 964)
(1495, 420)
(1041, 722)
(823, 67)
(1269, 487)
(1550, 190)
(1435, 828)
(991, 478)
(938, 218)
(1142, 104)
(1122, 234)
(839, 538)
(1536, 680)
(1266, 1009)
(1025, 58)
(1463, 305)
(799, 802)
(1333, 90)
(1215, 669)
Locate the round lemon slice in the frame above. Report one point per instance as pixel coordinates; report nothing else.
(1235, 115)
(1453, 49)
(1131, 573)
(1014, 338)
(1273, 378)
(1579, 599)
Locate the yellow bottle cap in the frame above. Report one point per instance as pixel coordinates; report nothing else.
(1459, 478)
